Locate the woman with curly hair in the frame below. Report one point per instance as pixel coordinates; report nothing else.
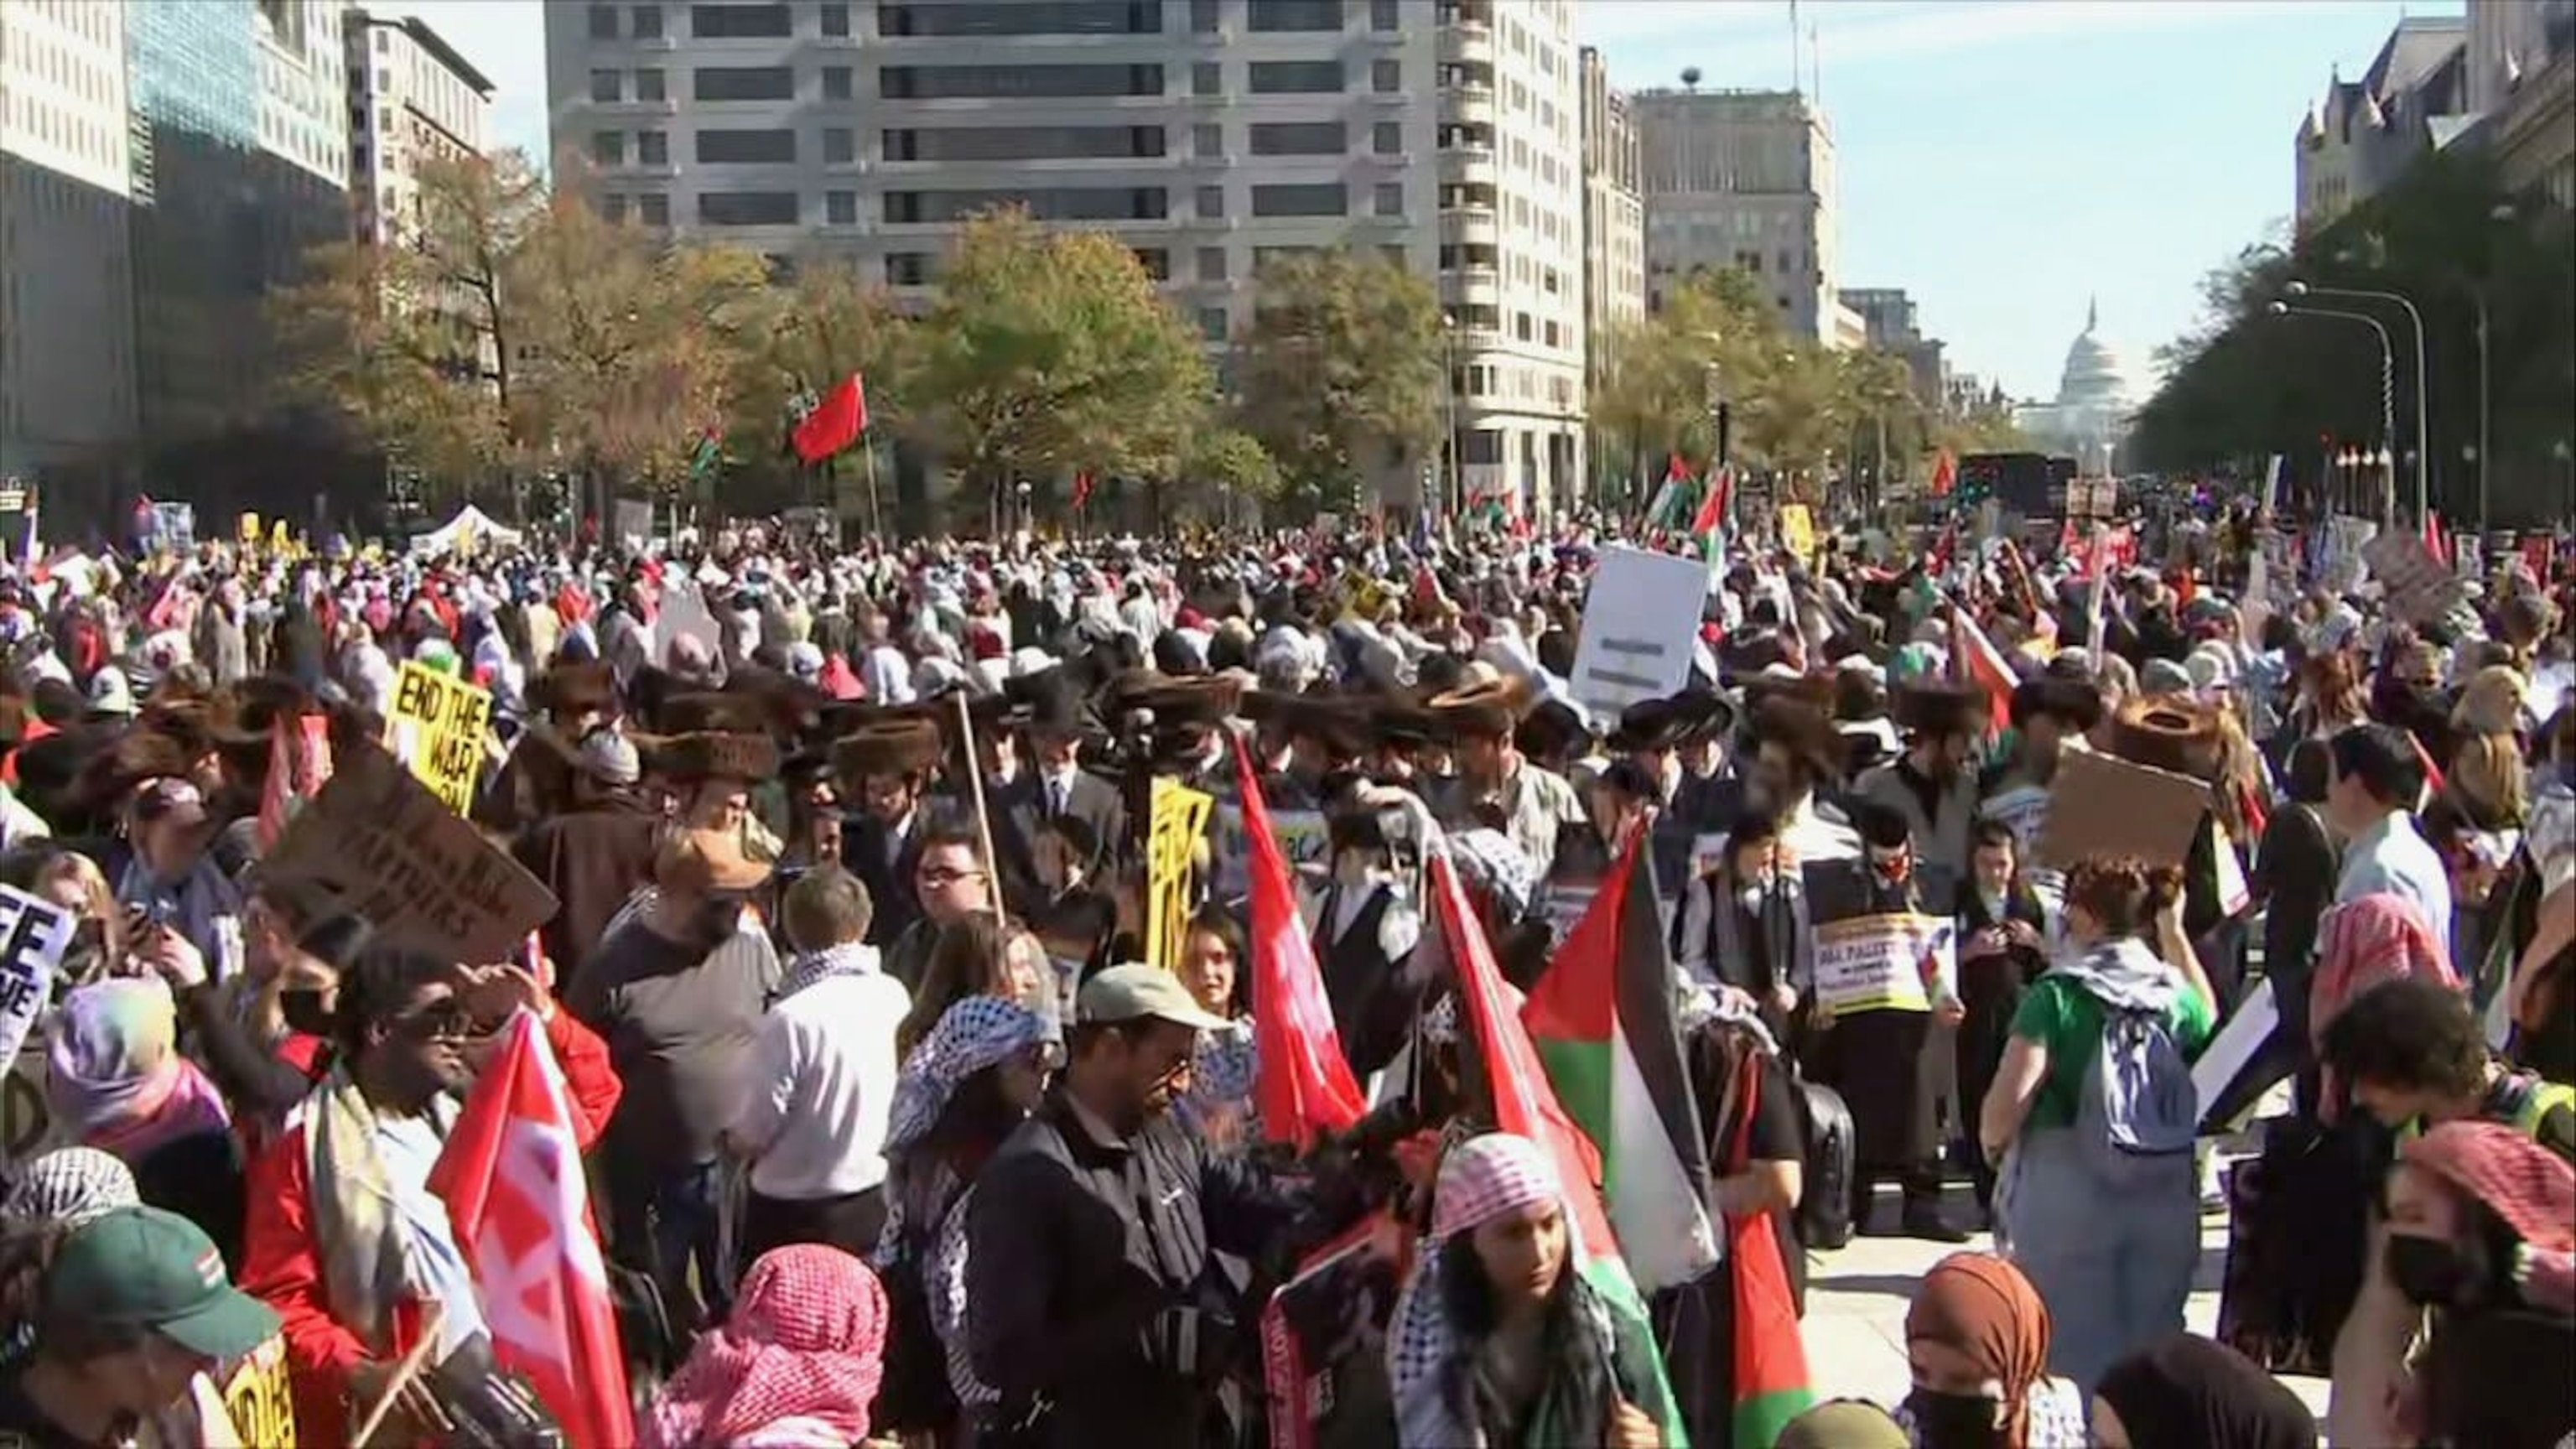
(2092, 1116)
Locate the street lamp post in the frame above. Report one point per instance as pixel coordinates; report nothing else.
(2387, 385)
(2414, 318)
(1449, 395)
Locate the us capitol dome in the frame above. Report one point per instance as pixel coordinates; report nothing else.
(2097, 397)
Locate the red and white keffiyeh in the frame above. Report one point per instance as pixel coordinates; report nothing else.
(798, 1362)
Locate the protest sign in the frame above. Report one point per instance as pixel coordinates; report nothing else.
(1888, 960)
(634, 522)
(685, 615)
(2419, 588)
(1323, 1341)
(437, 727)
(1179, 820)
(33, 932)
(2103, 805)
(2340, 564)
(1797, 531)
(1638, 628)
(258, 1401)
(378, 843)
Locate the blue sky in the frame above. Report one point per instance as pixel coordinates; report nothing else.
(2001, 159)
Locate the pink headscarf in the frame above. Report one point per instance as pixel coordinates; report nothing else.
(806, 1343)
(2362, 943)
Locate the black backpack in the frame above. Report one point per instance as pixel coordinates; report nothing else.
(1833, 1145)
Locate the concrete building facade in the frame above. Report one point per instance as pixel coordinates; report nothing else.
(2363, 134)
(1745, 179)
(1889, 323)
(1207, 135)
(1614, 216)
(2522, 83)
(67, 385)
(412, 99)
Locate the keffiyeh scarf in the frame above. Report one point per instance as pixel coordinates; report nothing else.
(851, 958)
(798, 1363)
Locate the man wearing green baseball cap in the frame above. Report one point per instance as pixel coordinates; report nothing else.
(135, 1305)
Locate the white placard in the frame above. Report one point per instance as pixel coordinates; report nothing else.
(33, 933)
(1638, 627)
(1884, 961)
(685, 616)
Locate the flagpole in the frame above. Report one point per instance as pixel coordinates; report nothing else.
(876, 519)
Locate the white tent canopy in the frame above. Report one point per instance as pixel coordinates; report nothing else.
(469, 530)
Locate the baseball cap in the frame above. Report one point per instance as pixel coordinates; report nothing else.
(1125, 993)
(144, 1268)
(110, 693)
(170, 798)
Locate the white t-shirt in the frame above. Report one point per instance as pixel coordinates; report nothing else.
(822, 1082)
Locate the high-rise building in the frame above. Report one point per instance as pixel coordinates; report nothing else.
(1207, 135)
(1614, 216)
(1889, 324)
(66, 355)
(412, 98)
(1745, 179)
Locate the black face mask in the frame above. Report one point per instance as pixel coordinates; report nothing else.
(304, 1011)
(2432, 1272)
(1953, 1421)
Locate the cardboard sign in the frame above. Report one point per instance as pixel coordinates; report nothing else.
(1797, 531)
(1180, 817)
(436, 727)
(33, 933)
(1639, 624)
(379, 843)
(257, 1399)
(1883, 962)
(1323, 1341)
(2104, 805)
(2092, 498)
(2023, 809)
(2419, 588)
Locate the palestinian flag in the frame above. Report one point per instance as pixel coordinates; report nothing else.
(1523, 1103)
(1676, 500)
(1604, 1022)
(1974, 659)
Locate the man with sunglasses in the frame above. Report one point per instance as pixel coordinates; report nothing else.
(345, 1239)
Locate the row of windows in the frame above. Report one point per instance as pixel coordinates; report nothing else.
(777, 145)
(947, 18)
(973, 82)
(1070, 203)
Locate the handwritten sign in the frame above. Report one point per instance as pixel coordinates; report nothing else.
(436, 727)
(1884, 961)
(33, 932)
(2103, 805)
(1180, 817)
(1797, 531)
(2419, 588)
(1639, 623)
(379, 843)
(257, 1399)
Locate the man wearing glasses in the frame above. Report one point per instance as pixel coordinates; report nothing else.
(950, 882)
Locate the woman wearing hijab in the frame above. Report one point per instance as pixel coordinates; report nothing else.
(117, 1082)
(1977, 1340)
(1497, 1341)
(2482, 1237)
(796, 1366)
(964, 1089)
(2190, 1393)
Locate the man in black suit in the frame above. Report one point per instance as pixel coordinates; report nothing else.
(1054, 786)
(887, 766)
(2002, 949)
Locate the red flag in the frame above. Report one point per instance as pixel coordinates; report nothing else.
(2433, 538)
(1945, 475)
(1303, 1083)
(512, 1180)
(1082, 488)
(299, 761)
(1712, 505)
(1975, 660)
(835, 423)
(1675, 470)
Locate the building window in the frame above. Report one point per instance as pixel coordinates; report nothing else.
(1211, 201)
(605, 86)
(746, 148)
(1207, 78)
(746, 208)
(1203, 17)
(1547, 333)
(1156, 262)
(1296, 77)
(836, 19)
(653, 148)
(841, 208)
(1211, 264)
(1386, 77)
(968, 18)
(743, 83)
(608, 148)
(653, 209)
(739, 22)
(1390, 198)
(1386, 138)
(942, 82)
(1069, 203)
(611, 206)
(648, 22)
(1393, 252)
(603, 22)
(1271, 16)
(1207, 139)
(1020, 143)
(1299, 138)
(1320, 198)
(907, 269)
(1212, 323)
(840, 144)
(836, 82)
(1386, 15)
(648, 86)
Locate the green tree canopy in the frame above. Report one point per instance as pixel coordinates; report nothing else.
(1341, 367)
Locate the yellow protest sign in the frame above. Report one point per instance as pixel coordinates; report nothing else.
(250, 528)
(281, 540)
(257, 1399)
(1180, 816)
(1797, 531)
(437, 727)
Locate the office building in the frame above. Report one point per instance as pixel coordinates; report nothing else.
(66, 355)
(1889, 324)
(1614, 216)
(412, 99)
(1746, 179)
(1205, 134)
(2522, 85)
(2363, 134)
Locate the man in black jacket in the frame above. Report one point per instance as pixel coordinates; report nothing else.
(1089, 1304)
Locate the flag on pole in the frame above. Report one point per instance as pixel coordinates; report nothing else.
(1945, 474)
(1524, 1104)
(1082, 484)
(706, 452)
(512, 1179)
(1302, 1083)
(1602, 1017)
(835, 423)
(1712, 505)
(1974, 659)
